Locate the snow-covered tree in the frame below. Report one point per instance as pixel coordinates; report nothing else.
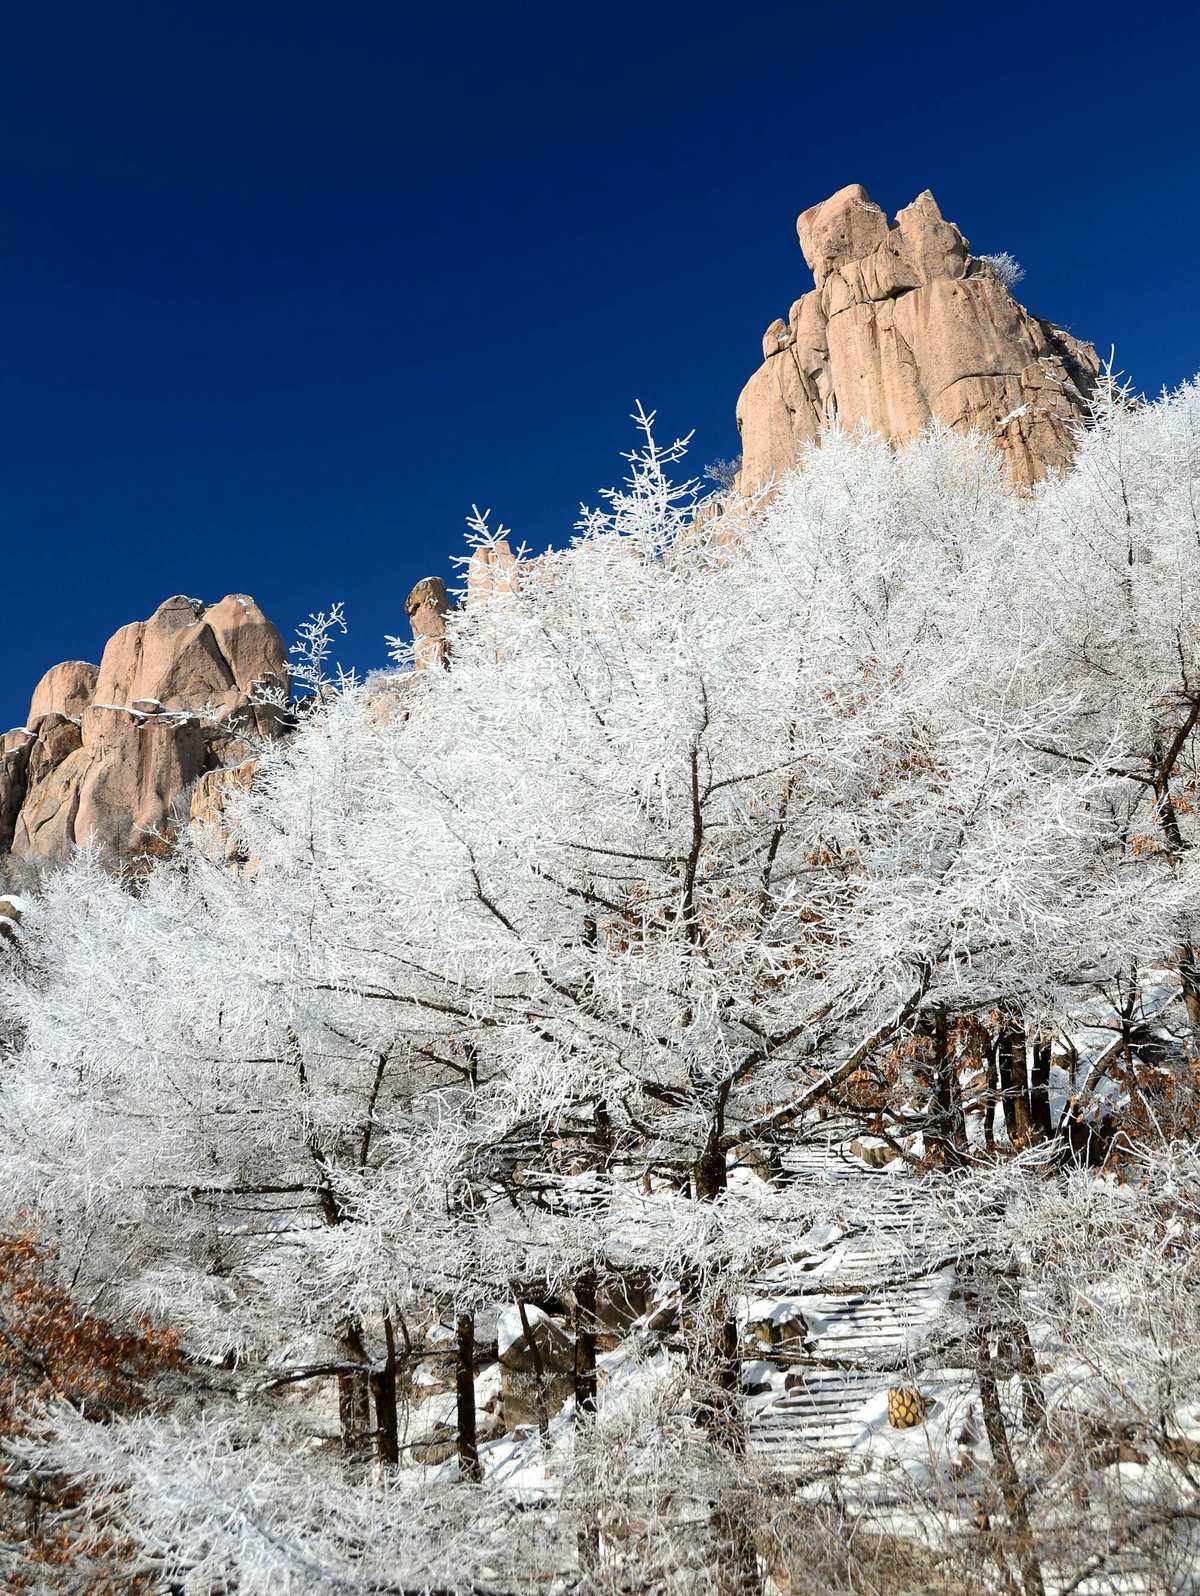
(835, 802)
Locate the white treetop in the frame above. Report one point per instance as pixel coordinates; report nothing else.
(709, 814)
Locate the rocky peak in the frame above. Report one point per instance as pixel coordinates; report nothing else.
(189, 655)
(65, 689)
(905, 326)
(110, 753)
(845, 227)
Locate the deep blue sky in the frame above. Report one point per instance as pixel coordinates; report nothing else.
(285, 287)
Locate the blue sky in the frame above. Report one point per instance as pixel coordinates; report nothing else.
(286, 287)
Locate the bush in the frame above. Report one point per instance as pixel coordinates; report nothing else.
(1004, 266)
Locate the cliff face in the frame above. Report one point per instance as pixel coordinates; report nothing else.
(904, 326)
(109, 751)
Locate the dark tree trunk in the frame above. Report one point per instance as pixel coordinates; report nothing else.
(464, 1386)
(950, 1127)
(710, 1174)
(716, 1345)
(991, 1100)
(722, 1416)
(585, 1343)
(1087, 1144)
(602, 1134)
(1189, 975)
(585, 1396)
(1021, 1349)
(354, 1414)
(1039, 1091)
(354, 1396)
(383, 1389)
(1033, 1393)
(715, 1349)
(1014, 1084)
(738, 1573)
(1185, 956)
(1013, 1492)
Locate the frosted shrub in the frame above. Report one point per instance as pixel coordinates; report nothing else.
(1005, 266)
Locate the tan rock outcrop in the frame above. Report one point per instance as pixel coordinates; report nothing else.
(491, 571)
(189, 656)
(210, 798)
(115, 789)
(15, 747)
(11, 915)
(65, 689)
(427, 607)
(110, 754)
(905, 326)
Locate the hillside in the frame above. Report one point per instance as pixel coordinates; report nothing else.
(689, 1080)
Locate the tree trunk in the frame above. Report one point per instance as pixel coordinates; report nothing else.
(950, 1126)
(1021, 1349)
(1185, 954)
(1039, 1091)
(383, 1389)
(354, 1397)
(1033, 1393)
(723, 1416)
(738, 1573)
(585, 1343)
(539, 1368)
(710, 1175)
(1189, 975)
(716, 1344)
(719, 1371)
(1016, 1499)
(602, 1134)
(991, 1100)
(1014, 1084)
(585, 1399)
(464, 1386)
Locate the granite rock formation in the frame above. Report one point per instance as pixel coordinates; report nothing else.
(427, 607)
(904, 325)
(491, 572)
(110, 754)
(65, 689)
